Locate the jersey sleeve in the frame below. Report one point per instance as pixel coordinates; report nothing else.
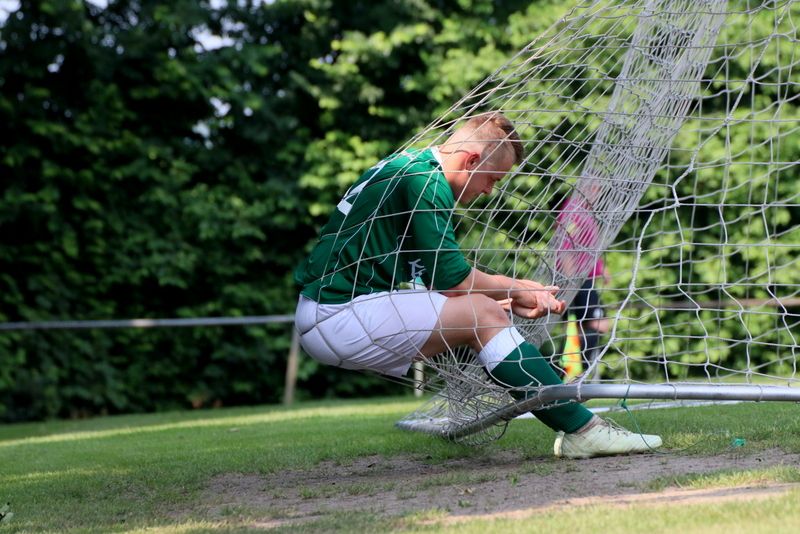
(431, 230)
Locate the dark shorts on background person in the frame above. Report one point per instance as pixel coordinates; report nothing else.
(586, 307)
(586, 304)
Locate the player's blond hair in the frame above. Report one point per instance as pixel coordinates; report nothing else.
(495, 127)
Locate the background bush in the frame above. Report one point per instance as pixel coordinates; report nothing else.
(143, 175)
(147, 172)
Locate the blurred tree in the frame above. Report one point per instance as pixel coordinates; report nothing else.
(171, 159)
(164, 159)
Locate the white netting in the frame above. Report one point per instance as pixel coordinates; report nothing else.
(662, 136)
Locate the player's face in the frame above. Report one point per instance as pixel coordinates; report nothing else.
(484, 176)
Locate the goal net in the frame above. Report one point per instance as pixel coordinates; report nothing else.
(662, 139)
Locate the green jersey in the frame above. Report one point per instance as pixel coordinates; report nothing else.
(393, 226)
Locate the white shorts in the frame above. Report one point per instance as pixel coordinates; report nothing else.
(382, 332)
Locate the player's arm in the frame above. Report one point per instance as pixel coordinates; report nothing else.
(447, 271)
(525, 298)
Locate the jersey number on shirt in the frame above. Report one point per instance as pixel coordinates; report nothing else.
(346, 204)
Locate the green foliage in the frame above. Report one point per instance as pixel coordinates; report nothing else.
(714, 253)
(114, 207)
(144, 175)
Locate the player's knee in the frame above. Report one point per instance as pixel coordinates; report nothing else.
(489, 312)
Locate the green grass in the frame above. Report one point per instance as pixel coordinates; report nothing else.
(128, 473)
(729, 478)
(780, 514)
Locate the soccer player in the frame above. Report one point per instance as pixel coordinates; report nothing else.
(387, 284)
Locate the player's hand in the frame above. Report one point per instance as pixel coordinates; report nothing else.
(532, 300)
(535, 296)
(522, 311)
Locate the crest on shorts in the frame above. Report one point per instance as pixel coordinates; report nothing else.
(417, 269)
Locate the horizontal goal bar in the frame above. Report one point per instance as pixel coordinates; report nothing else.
(584, 392)
(682, 391)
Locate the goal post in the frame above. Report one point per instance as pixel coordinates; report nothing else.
(662, 136)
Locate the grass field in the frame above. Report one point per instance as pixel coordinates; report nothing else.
(342, 466)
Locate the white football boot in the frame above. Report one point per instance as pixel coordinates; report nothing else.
(602, 438)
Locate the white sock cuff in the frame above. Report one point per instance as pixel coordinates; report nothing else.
(499, 347)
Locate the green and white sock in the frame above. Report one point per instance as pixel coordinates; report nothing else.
(512, 362)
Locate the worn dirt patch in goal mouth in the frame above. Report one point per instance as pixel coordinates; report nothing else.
(498, 486)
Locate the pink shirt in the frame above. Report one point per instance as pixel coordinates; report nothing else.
(577, 239)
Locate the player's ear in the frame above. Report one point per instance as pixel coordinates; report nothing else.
(472, 161)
